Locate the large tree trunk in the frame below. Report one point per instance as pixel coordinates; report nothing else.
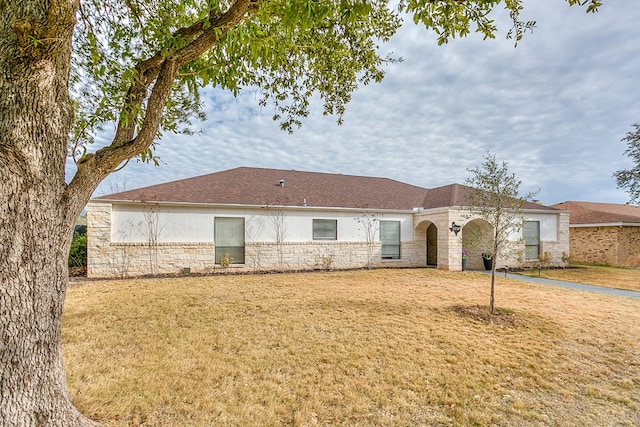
(36, 214)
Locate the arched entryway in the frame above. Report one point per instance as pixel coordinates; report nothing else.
(432, 245)
(427, 235)
(476, 235)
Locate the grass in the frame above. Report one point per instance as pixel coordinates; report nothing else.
(365, 348)
(611, 277)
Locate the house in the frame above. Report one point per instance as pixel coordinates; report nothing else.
(252, 219)
(603, 233)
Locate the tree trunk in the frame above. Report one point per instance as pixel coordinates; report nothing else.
(36, 213)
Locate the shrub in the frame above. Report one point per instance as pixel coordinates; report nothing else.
(78, 252)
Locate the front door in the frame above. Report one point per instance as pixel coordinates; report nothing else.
(432, 246)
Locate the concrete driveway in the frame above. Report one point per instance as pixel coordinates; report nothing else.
(591, 288)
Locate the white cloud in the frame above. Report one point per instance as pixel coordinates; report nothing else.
(555, 108)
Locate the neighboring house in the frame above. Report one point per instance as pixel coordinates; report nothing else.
(604, 233)
(250, 219)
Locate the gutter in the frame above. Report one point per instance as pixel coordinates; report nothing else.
(606, 224)
(255, 207)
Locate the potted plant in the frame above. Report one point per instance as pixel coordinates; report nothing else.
(465, 255)
(487, 260)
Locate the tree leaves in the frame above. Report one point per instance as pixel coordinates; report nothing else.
(290, 50)
(629, 179)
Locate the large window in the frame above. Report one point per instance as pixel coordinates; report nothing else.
(325, 229)
(229, 238)
(390, 239)
(531, 234)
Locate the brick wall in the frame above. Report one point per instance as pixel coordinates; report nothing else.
(629, 246)
(605, 245)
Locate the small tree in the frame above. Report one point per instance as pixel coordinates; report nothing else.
(277, 217)
(369, 225)
(254, 228)
(494, 196)
(629, 179)
(152, 230)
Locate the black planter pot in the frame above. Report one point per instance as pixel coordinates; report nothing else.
(488, 263)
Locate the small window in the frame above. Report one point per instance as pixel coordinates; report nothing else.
(390, 239)
(325, 229)
(229, 239)
(531, 233)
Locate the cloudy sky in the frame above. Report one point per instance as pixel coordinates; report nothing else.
(555, 108)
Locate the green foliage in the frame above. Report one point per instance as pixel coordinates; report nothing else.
(629, 179)
(78, 252)
(495, 197)
(287, 50)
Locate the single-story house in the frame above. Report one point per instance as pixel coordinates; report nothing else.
(253, 219)
(603, 233)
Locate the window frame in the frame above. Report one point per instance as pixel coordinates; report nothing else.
(530, 244)
(386, 244)
(317, 230)
(237, 252)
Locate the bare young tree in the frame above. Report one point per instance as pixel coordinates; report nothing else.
(277, 218)
(121, 262)
(152, 228)
(369, 225)
(494, 197)
(253, 229)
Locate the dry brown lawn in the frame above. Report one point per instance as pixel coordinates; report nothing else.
(363, 348)
(609, 277)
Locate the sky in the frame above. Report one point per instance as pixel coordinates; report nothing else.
(555, 108)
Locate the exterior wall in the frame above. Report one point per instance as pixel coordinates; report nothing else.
(195, 224)
(449, 246)
(554, 239)
(118, 241)
(612, 245)
(118, 245)
(629, 247)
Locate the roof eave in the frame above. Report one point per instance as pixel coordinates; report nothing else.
(254, 206)
(606, 224)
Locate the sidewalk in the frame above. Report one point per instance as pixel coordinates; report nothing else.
(591, 288)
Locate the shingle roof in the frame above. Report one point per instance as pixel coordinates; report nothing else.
(456, 195)
(257, 186)
(599, 213)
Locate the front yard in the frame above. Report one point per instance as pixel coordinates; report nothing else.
(365, 348)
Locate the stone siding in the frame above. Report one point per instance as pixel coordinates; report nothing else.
(136, 259)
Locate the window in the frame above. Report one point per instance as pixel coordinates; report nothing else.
(229, 239)
(531, 234)
(390, 239)
(325, 229)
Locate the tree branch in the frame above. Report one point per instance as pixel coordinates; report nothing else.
(158, 72)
